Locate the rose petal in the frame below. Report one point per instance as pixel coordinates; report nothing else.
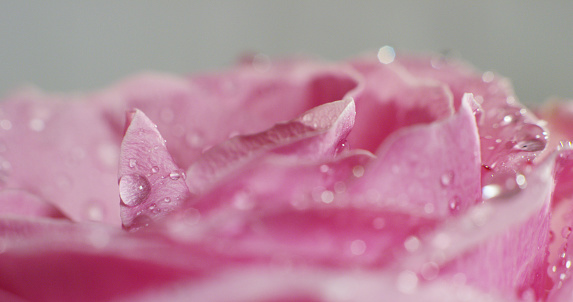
(429, 169)
(320, 132)
(392, 99)
(201, 111)
(500, 244)
(63, 150)
(150, 184)
(510, 135)
(20, 203)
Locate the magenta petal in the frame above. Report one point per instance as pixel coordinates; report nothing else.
(64, 151)
(150, 184)
(429, 169)
(20, 203)
(318, 133)
(500, 244)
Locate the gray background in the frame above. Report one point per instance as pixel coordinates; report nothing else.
(77, 46)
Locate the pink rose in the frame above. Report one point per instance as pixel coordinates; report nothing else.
(377, 179)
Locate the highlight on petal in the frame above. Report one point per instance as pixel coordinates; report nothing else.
(150, 184)
(63, 150)
(431, 170)
(319, 133)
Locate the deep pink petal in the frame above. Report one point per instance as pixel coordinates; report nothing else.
(319, 133)
(150, 184)
(64, 151)
(430, 169)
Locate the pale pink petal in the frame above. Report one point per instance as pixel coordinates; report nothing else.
(64, 151)
(203, 110)
(429, 170)
(150, 184)
(319, 133)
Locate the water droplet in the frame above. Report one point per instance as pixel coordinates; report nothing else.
(95, 212)
(37, 125)
(532, 145)
(447, 178)
(167, 199)
(132, 163)
(133, 189)
(487, 76)
(521, 181)
(358, 247)
(152, 206)
(407, 282)
(154, 169)
(386, 54)
(455, 204)
(5, 124)
(490, 191)
(358, 171)
(412, 244)
(565, 232)
(176, 174)
(327, 196)
(506, 120)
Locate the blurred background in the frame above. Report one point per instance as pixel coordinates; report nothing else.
(67, 46)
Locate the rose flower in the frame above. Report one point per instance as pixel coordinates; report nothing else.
(380, 178)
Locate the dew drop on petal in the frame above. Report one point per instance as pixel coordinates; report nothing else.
(133, 189)
(412, 244)
(386, 54)
(327, 196)
(447, 178)
(154, 169)
(175, 175)
(454, 204)
(358, 247)
(531, 145)
(358, 171)
(490, 191)
(521, 181)
(167, 199)
(132, 163)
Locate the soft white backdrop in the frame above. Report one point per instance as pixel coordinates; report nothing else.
(85, 45)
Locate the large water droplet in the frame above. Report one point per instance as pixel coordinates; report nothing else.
(133, 189)
(530, 138)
